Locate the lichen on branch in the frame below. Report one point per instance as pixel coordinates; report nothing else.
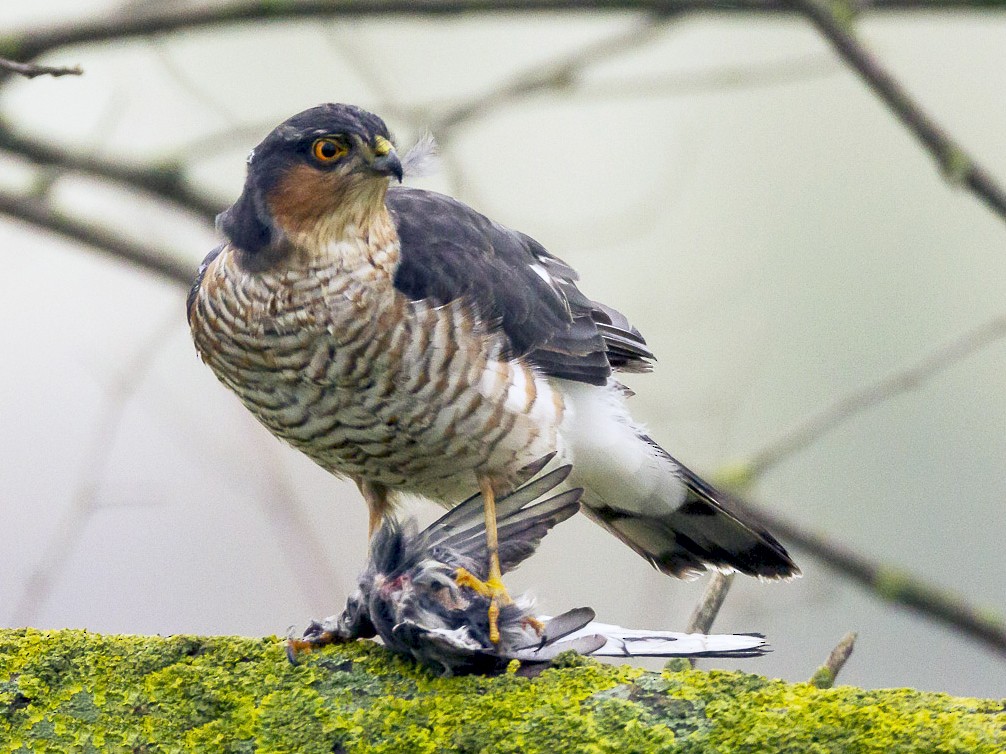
(76, 691)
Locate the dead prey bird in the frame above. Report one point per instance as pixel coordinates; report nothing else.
(420, 593)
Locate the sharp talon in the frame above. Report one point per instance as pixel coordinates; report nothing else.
(494, 620)
(464, 577)
(492, 589)
(295, 648)
(531, 622)
(314, 638)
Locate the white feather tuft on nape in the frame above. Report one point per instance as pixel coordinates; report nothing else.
(423, 158)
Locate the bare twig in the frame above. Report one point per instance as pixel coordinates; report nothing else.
(302, 544)
(712, 80)
(701, 620)
(121, 26)
(833, 18)
(887, 582)
(56, 553)
(708, 607)
(557, 74)
(31, 70)
(195, 88)
(847, 407)
(166, 181)
(824, 677)
(32, 43)
(42, 215)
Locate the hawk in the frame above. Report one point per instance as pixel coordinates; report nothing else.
(401, 339)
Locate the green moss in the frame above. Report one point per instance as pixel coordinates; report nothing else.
(823, 678)
(82, 692)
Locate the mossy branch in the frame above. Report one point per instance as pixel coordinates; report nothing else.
(76, 691)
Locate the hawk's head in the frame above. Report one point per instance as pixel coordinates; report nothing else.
(317, 174)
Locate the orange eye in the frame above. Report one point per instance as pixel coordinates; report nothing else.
(327, 149)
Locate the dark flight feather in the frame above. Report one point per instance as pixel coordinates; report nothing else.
(449, 251)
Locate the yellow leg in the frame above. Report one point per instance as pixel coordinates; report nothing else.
(374, 523)
(492, 587)
(378, 504)
(492, 538)
(532, 622)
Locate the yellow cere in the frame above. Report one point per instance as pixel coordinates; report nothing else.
(381, 146)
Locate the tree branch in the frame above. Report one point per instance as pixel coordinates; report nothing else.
(824, 677)
(557, 74)
(165, 181)
(851, 405)
(28, 45)
(31, 70)
(708, 607)
(82, 691)
(42, 215)
(890, 583)
(833, 19)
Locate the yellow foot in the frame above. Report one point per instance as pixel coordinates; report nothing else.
(295, 648)
(491, 588)
(531, 622)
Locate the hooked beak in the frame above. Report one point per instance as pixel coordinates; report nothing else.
(385, 161)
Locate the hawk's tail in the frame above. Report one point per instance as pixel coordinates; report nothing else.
(663, 511)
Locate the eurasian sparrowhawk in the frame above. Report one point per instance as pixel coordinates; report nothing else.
(403, 340)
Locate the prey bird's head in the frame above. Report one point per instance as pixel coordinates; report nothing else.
(316, 174)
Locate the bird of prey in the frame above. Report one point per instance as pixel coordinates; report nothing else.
(402, 339)
(410, 595)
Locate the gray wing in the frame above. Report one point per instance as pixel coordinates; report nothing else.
(449, 251)
(459, 537)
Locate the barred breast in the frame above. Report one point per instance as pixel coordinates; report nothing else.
(369, 384)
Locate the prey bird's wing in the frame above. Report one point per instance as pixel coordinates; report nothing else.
(451, 252)
(634, 642)
(459, 536)
(469, 515)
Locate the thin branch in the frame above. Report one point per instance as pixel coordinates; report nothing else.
(211, 143)
(826, 675)
(887, 582)
(43, 215)
(833, 19)
(558, 74)
(53, 556)
(708, 607)
(364, 63)
(166, 181)
(31, 70)
(798, 68)
(31, 43)
(811, 429)
(705, 612)
(191, 85)
(302, 544)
